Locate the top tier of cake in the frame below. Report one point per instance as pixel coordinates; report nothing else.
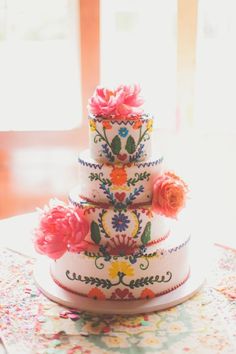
(120, 141)
(119, 130)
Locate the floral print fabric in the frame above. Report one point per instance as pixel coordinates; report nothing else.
(30, 323)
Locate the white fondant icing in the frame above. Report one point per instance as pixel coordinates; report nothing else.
(115, 140)
(132, 223)
(95, 177)
(158, 271)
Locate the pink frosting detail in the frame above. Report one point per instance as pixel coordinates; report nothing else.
(61, 227)
(121, 103)
(169, 195)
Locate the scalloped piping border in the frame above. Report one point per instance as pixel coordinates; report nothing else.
(144, 118)
(95, 205)
(99, 166)
(158, 294)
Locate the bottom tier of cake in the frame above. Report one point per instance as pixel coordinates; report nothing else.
(152, 272)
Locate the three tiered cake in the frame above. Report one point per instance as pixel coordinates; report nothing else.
(118, 238)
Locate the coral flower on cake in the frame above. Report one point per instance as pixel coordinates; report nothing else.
(118, 176)
(169, 195)
(137, 124)
(96, 293)
(147, 294)
(106, 125)
(61, 227)
(121, 103)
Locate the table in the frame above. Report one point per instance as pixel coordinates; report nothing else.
(30, 323)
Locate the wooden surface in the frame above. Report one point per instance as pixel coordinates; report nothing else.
(30, 176)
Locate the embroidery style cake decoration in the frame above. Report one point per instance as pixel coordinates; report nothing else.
(118, 237)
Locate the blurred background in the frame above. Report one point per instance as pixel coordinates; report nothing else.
(53, 53)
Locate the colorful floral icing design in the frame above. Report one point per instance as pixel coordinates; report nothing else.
(96, 294)
(120, 222)
(124, 101)
(122, 239)
(118, 176)
(123, 132)
(147, 294)
(121, 245)
(117, 187)
(169, 194)
(123, 145)
(61, 228)
(119, 267)
(119, 273)
(122, 294)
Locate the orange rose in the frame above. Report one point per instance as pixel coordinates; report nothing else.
(169, 195)
(118, 176)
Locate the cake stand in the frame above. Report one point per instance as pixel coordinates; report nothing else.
(55, 293)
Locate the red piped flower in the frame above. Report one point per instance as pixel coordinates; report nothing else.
(122, 294)
(61, 227)
(147, 294)
(169, 194)
(137, 124)
(118, 176)
(96, 293)
(106, 125)
(121, 245)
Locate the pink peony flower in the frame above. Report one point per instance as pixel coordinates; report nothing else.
(62, 227)
(120, 103)
(169, 195)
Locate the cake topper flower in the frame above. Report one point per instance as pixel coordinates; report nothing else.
(169, 195)
(61, 227)
(123, 102)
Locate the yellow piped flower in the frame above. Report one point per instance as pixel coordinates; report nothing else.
(105, 225)
(92, 125)
(120, 267)
(136, 225)
(149, 125)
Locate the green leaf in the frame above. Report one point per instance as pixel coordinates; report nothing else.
(116, 145)
(95, 232)
(130, 145)
(146, 235)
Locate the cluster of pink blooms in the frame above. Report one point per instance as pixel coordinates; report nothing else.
(61, 228)
(169, 194)
(123, 102)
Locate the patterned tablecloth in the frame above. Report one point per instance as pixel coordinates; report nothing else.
(30, 323)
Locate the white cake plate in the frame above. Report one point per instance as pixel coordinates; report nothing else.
(55, 293)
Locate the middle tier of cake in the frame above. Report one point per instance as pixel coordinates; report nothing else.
(121, 232)
(119, 185)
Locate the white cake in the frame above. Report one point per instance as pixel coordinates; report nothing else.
(128, 204)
